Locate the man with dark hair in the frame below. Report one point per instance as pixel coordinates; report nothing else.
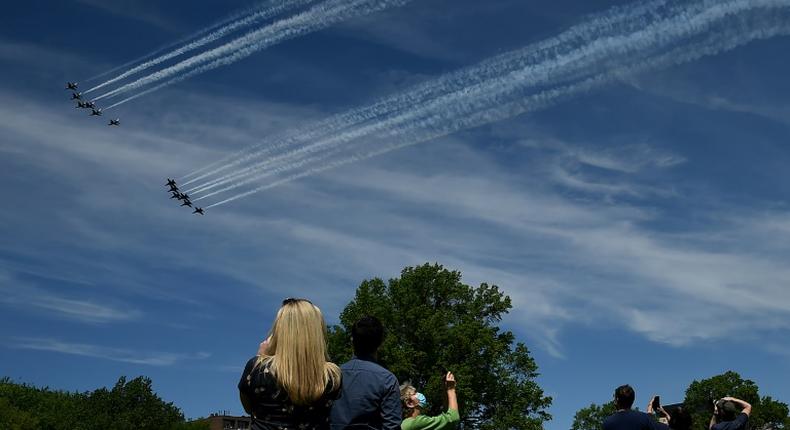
(370, 395)
(727, 417)
(627, 419)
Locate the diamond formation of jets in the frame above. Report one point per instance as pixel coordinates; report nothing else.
(175, 193)
(87, 104)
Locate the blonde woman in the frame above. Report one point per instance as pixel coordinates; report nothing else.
(414, 403)
(291, 384)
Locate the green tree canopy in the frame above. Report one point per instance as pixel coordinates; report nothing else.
(592, 417)
(435, 323)
(129, 405)
(766, 412)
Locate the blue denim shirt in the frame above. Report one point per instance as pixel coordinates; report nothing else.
(370, 398)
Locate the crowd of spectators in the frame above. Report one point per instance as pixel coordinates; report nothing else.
(291, 384)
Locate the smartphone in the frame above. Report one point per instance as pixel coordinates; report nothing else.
(656, 403)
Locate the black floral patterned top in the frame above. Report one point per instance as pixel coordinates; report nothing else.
(272, 409)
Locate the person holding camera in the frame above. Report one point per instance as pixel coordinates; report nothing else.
(414, 403)
(627, 419)
(727, 417)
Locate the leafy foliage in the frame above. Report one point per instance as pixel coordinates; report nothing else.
(592, 417)
(435, 323)
(129, 405)
(766, 412)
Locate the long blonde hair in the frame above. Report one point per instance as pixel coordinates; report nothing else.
(297, 352)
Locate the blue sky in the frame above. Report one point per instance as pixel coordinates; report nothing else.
(641, 229)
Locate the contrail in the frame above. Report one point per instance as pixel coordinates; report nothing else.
(676, 57)
(596, 25)
(481, 110)
(226, 21)
(263, 13)
(683, 22)
(316, 18)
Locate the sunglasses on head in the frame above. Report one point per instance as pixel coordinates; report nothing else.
(291, 300)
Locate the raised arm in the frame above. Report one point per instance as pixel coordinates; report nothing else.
(452, 399)
(747, 408)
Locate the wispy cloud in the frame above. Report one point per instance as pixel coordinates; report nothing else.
(150, 358)
(149, 13)
(25, 297)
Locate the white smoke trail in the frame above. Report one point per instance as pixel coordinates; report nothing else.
(443, 125)
(230, 20)
(316, 18)
(221, 32)
(684, 22)
(630, 16)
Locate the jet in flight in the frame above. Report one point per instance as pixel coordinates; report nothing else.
(175, 195)
(90, 104)
(76, 96)
(116, 121)
(96, 112)
(186, 203)
(198, 211)
(71, 85)
(171, 182)
(81, 105)
(184, 196)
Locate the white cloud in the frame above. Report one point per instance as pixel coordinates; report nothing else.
(149, 358)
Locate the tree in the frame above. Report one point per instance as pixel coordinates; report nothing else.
(766, 412)
(131, 405)
(11, 418)
(592, 417)
(435, 323)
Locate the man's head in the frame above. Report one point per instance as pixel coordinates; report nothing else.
(726, 410)
(624, 397)
(367, 334)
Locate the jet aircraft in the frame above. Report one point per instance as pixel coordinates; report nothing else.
(171, 182)
(116, 121)
(81, 105)
(90, 104)
(184, 196)
(71, 85)
(175, 195)
(186, 203)
(198, 211)
(96, 112)
(76, 96)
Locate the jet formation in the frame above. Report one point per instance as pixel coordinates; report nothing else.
(87, 104)
(175, 193)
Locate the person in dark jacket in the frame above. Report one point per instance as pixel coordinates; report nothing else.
(370, 397)
(290, 384)
(726, 415)
(628, 419)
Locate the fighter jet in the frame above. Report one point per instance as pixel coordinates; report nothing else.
(186, 203)
(171, 182)
(96, 112)
(71, 85)
(76, 96)
(184, 197)
(81, 105)
(175, 195)
(90, 104)
(198, 211)
(116, 121)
